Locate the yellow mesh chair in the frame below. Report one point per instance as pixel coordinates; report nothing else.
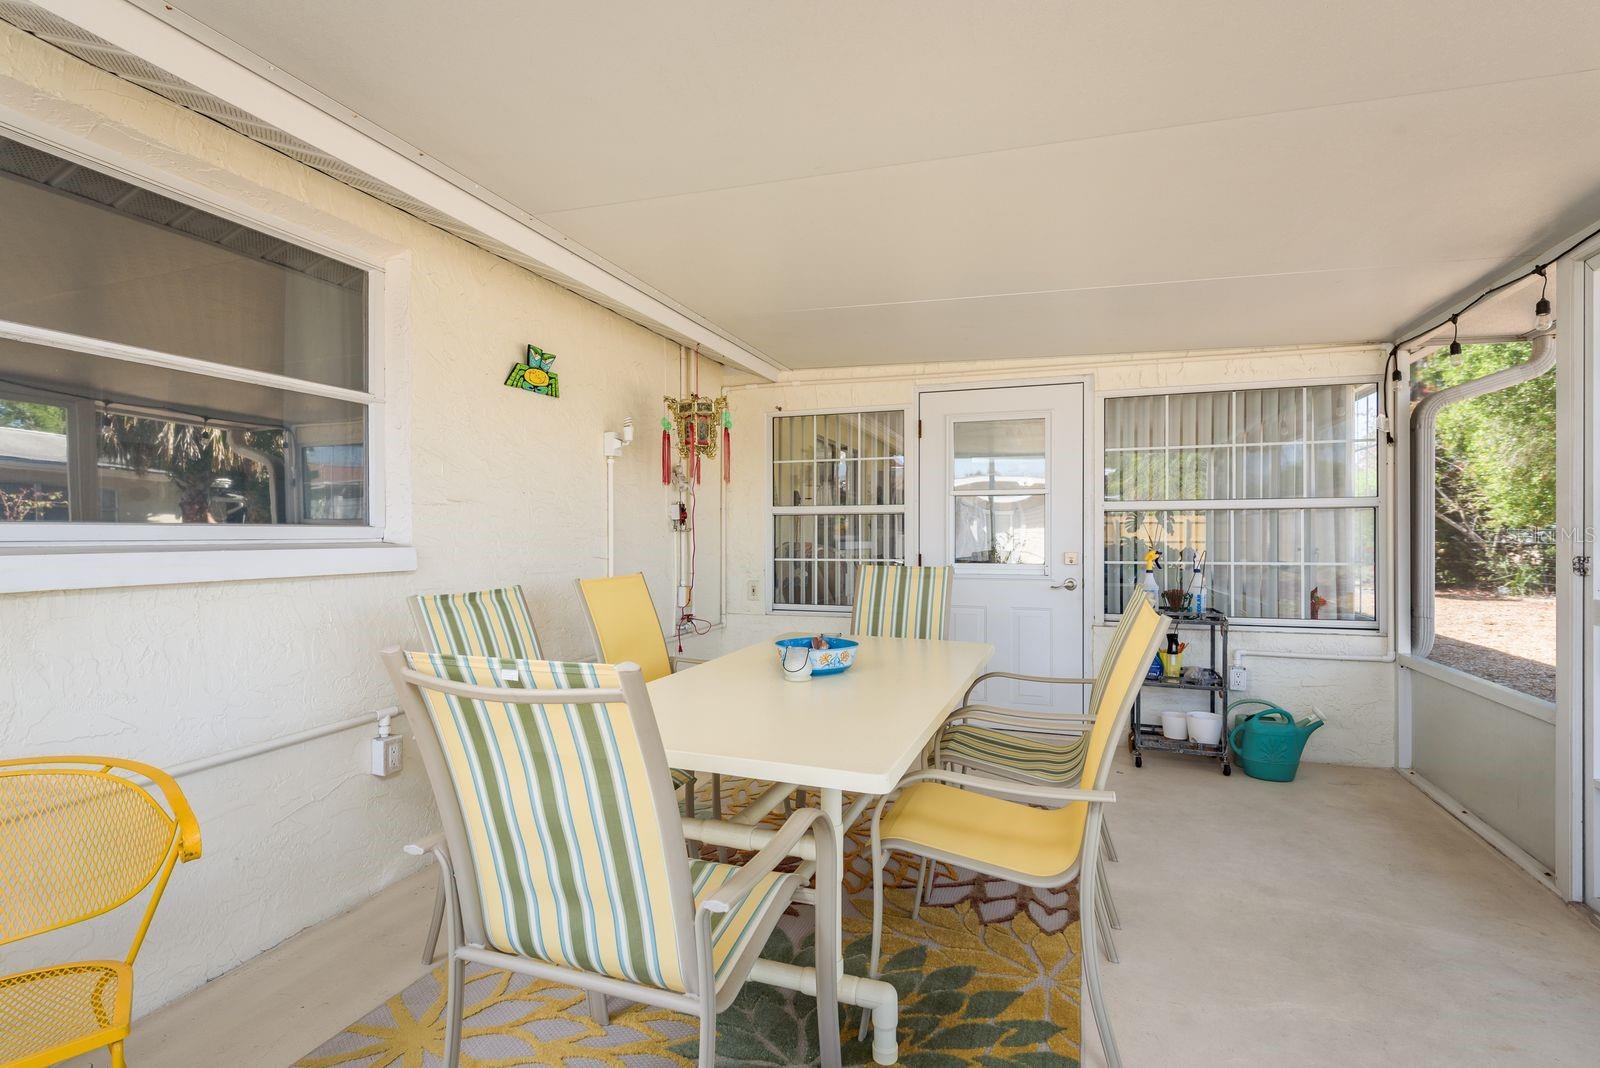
(1039, 836)
(77, 840)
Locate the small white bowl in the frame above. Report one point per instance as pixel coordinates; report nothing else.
(1175, 726)
(1205, 727)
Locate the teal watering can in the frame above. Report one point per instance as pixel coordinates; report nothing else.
(1268, 742)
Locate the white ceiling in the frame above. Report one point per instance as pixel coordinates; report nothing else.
(847, 183)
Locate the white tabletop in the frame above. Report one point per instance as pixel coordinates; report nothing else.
(859, 731)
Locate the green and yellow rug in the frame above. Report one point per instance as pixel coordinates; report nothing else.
(988, 975)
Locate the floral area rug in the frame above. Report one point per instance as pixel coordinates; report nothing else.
(988, 975)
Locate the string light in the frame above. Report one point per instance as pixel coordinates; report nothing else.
(1455, 341)
(1542, 319)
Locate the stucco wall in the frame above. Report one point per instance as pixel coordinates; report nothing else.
(1356, 697)
(505, 487)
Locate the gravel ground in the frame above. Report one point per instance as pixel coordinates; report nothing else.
(1509, 640)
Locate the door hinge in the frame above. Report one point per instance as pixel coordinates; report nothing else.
(1580, 565)
(919, 559)
(919, 429)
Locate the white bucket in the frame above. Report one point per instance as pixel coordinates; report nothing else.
(1205, 727)
(1175, 725)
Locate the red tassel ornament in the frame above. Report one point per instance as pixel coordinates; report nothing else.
(666, 452)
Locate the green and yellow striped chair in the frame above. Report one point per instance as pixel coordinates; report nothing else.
(493, 623)
(564, 851)
(895, 601)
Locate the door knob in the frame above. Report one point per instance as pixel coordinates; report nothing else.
(1066, 584)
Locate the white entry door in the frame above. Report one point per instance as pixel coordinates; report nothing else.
(1002, 499)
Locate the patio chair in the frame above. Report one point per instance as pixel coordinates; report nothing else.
(566, 856)
(485, 623)
(994, 827)
(624, 625)
(1046, 748)
(78, 840)
(895, 601)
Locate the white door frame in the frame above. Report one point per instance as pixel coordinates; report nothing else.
(1578, 516)
(1092, 535)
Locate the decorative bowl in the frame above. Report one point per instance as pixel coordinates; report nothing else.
(835, 659)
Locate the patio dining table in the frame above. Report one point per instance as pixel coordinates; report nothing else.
(857, 732)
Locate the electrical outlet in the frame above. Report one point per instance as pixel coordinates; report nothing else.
(1238, 679)
(752, 592)
(386, 756)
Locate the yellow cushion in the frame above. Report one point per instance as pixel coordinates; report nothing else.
(625, 621)
(991, 832)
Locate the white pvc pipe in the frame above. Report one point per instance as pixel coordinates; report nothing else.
(611, 516)
(233, 756)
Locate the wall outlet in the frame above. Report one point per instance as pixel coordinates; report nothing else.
(386, 756)
(752, 592)
(1238, 679)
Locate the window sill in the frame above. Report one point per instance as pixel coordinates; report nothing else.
(33, 569)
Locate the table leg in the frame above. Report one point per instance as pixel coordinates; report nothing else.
(873, 995)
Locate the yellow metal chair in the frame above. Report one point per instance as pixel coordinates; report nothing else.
(1040, 836)
(77, 840)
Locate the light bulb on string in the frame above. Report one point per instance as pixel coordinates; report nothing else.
(1542, 319)
(1455, 341)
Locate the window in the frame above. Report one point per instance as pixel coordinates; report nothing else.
(1274, 490)
(169, 373)
(838, 500)
(998, 468)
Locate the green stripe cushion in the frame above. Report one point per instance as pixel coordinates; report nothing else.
(732, 932)
(565, 838)
(970, 746)
(894, 601)
(481, 623)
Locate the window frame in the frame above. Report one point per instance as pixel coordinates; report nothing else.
(772, 511)
(92, 554)
(1379, 502)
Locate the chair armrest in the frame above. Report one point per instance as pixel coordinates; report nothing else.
(1052, 679)
(423, 847)
(1061, 795)
(806, 820)
(1043, 722)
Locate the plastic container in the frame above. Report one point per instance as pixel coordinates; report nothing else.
(1175, 726)
(801, 662)
(1268, 743)
(1205, 727)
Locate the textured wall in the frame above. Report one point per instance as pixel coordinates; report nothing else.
(1356, 697)
(505, 487)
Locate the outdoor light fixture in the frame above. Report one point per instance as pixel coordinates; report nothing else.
(1542, 319)
(1455, 340)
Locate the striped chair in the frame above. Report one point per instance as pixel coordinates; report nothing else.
(1039, 836)
(566, 857)
(1046, 748)
(484, 623)
(895, 601)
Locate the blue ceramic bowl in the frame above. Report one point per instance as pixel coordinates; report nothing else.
(834, 660)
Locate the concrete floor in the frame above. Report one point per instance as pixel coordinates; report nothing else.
(1344, 919)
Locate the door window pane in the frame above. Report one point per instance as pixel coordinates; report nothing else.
(999, 529)
(998, 454)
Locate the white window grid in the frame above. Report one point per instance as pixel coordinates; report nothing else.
(1174, 573)
(821, 572)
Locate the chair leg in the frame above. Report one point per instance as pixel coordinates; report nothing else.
(922, 875)
(1107, 945)
(1111, 847)
(1088, 880)
(455, 995)
(430, 948)
(708, 1032)
(117, 1060)
(595, 1005)
(1111, 905)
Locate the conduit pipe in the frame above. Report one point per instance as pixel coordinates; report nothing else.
(1423, 425)
(233, 756)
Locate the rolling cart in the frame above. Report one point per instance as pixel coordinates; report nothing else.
(1211, 680)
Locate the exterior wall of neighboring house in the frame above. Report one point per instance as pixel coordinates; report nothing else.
(1357, 697)
(505, 487)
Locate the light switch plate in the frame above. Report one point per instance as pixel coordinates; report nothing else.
(1070, 559)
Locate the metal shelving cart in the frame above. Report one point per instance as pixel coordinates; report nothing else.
(1211, 681)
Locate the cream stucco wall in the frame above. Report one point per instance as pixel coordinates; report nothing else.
(1357, 697)
(505, 487)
